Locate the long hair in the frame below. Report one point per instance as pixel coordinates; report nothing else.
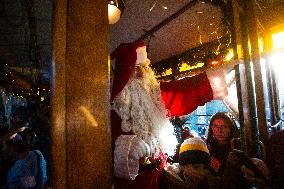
(211, 140)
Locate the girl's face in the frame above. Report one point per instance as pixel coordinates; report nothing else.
(194, 173)
(221, 131)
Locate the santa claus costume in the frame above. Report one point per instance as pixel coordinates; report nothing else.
(142, 135)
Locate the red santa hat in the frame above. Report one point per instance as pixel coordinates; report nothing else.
(125, 55)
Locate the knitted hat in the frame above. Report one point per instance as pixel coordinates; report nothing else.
(194, 151)
(125, 55)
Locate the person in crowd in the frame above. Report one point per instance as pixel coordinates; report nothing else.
(142, 136)
(28, 168)
(39, 122)
(222, 129)
(275, 158)
(5, 135)
(253, 179)
(194, 171)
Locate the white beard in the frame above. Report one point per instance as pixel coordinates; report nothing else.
(142, 111)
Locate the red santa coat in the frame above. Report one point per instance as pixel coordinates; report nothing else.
(180, 97)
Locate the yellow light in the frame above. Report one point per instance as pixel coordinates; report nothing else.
(230, 55)
(260, 44)
(214, 62)
(278, 40)
(113, 14)
(249, 47)
(108, 64)
(185, 67)
(167, 72)
(240, 51)
(89, 116)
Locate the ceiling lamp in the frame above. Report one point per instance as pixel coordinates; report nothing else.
(115, 10)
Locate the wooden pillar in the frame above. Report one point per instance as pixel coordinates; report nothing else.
(255, 57)
(240, 76)
(81, 146)
(249, 105)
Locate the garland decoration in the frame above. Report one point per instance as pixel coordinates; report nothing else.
(200, 58)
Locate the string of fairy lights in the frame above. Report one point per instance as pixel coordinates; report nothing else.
(196, 59)
(206, 55)
(11, 86)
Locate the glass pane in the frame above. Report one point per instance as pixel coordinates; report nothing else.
(265, 89)
(278, 66)
(198, 120)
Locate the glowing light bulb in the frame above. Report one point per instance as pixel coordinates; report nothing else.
(113, 14)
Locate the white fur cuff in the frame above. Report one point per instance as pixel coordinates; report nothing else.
(124, 167)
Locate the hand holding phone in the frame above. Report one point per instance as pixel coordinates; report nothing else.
(247, 162)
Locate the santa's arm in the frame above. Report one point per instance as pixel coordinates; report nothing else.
(128, 150)
(181, 97)
(218, 84)
(216, 77)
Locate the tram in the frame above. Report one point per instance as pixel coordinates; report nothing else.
(74, 83)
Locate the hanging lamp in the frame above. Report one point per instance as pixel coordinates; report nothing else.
(115, 10)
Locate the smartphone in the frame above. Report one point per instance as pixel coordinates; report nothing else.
(245, 160)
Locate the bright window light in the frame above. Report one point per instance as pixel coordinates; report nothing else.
(278, 65)
(278, 40)
(167, 139)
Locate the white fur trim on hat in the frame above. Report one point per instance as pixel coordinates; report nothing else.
(124, 167)
(141, 55)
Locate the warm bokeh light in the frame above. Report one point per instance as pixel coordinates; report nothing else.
(89, 116)
(276, 60)
(260, 44)
(230, 55)
(113, 14)
(108, 63)
(167, 72)
(186, 67)
(240, 51)
(215, 62)
(278, 40)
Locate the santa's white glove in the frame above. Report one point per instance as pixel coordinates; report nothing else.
(218, 83)
(138, 149)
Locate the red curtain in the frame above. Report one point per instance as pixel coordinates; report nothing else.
(181, 97)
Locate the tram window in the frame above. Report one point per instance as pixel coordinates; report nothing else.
(265, 89)
(16, 109)
(198, 120)
(278, 66)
